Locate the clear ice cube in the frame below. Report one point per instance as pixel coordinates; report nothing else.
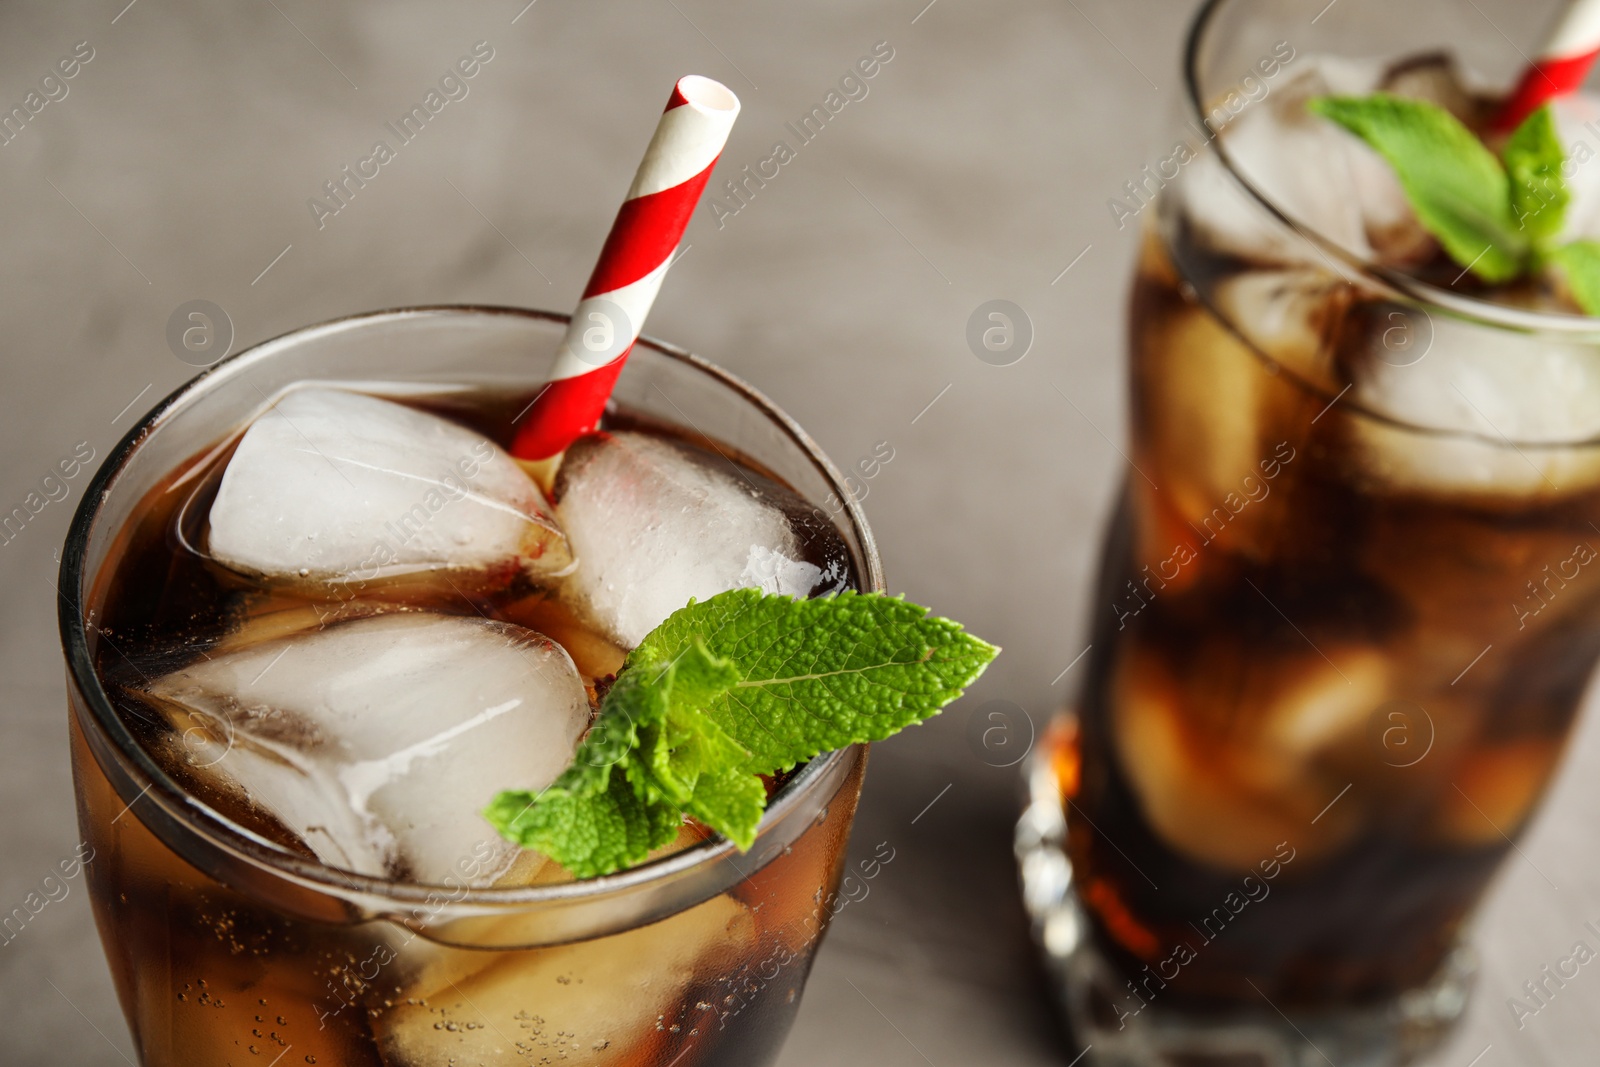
(1291, 316)
(378, 741)
(330, 485)
(1322, 177)
(1501, 413)
(1225, 788)
(652, 525)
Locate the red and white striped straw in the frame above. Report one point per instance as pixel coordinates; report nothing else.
(1561, 67)
(632, 264)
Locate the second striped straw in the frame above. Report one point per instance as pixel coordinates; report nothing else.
(1561, 66)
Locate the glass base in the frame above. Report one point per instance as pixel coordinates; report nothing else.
(1094, 998)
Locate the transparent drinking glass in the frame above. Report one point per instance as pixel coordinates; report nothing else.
(1346, 613)
(226, 948)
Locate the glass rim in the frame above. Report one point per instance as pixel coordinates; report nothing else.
(219, 832)
(1393, 283)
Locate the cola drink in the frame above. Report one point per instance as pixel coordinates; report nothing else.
(1309, 683)
(280, 772)
(1346, 612)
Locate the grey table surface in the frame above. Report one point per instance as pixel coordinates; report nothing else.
(978, 166)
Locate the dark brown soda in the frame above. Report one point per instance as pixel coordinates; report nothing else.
(211, 975)
(1275, 624)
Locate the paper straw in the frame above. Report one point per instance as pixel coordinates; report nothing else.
(632, 264)
(1561, 67)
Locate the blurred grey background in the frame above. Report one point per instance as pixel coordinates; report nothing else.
(178, 167)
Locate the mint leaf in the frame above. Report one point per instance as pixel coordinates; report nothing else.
(1459, 190)
(684, 757)
(678, 744)
(632, 775)
(589, 834)
(1580, 262)
(1533, 157)
(1498, 220)
(821, 674)
(731, 802)
(610, 740)
(723, 692)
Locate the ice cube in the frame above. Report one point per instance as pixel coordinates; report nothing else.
(329, 485)
(1493, 409)
(1295, 159)
(615, 1000)
(378, 741)
(1318, 175)
(651, 525)
(1290, 316)
(1228, 762)
(1438, 78)
(1209, 414)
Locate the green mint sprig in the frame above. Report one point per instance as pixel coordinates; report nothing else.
(1495, 216)
(723, 692)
